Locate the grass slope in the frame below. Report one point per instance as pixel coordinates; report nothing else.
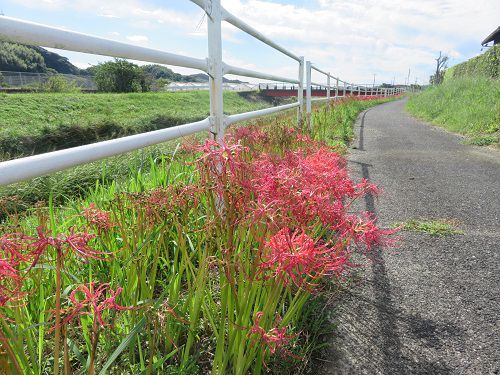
(36, 123)
(333, 124)
(466, 105)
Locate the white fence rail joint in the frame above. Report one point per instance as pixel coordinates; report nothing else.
(21, 31)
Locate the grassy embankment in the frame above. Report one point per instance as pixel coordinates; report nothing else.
(72, 124)
(41, 122)
(189, 316)
(467, 102)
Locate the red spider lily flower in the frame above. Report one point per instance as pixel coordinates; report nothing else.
(97, 218)
(272, 340)
(10, 282)
(364, 231)
(224, 169)
(364, 187)
(77, 242)
(250, 135)
(11, 246)
(297, 258)
(93, 301)
(305, 187)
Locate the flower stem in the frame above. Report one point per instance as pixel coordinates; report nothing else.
(57, 312)
(95, 339)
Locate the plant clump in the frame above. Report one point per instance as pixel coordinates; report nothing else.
(209, 269)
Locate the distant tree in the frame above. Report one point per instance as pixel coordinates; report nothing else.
(57, 83)
(58, 63)
(20, 58)
(120, 76)
(158, 71)
(441, 65)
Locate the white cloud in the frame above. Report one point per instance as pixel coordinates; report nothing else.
(138, 38)
(356, 38)
(350, 38)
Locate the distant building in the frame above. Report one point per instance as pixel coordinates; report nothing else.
(493, 37)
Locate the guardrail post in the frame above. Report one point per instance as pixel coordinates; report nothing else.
(345, 88)
(308, 96)
(215, 69)
(336, 88)
(359, 91)
(300, 94)
(328, 86)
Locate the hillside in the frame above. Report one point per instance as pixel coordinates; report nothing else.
(16, 57)
(35, 123)
(467, 102)
(21, 58)
(485, 65)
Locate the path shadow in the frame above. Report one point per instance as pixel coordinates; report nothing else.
(394, 362)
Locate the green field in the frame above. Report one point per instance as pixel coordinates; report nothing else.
(35, 123)
(465, 105)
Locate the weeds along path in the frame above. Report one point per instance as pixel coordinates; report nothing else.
(430, 306)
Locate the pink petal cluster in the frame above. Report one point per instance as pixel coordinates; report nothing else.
(10, 282)
(62, 243)
(92, 300)
(295, 257)
(273, 340)
(101, 220)
(249, 135)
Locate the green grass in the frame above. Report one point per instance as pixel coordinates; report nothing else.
(434, 227)
(334, 123)
(40, 122)
(467, 105)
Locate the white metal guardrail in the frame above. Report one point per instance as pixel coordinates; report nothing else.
(20, 31)
(200, 86)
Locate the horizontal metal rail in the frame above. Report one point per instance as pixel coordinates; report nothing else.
(229, 69)
(20, 31)
(261, 112)
(235, 21)
(38, 165)
(319, 70)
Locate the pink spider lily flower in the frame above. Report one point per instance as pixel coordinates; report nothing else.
(295, 257)
(250, 135)
(364, 231)
(77, 242)
(10, 282)
(11, 246)
(93, 301)
(97, 218)
(272, 340)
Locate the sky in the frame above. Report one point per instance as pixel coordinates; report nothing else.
(356, 40)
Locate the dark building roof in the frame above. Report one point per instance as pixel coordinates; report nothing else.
(493, 37)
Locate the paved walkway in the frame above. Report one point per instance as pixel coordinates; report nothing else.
(432, 306)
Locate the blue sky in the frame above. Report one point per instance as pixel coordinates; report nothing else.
(353, 39)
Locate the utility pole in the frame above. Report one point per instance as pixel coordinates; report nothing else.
(374, 74)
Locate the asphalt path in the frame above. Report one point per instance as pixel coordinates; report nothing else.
(432, 305)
